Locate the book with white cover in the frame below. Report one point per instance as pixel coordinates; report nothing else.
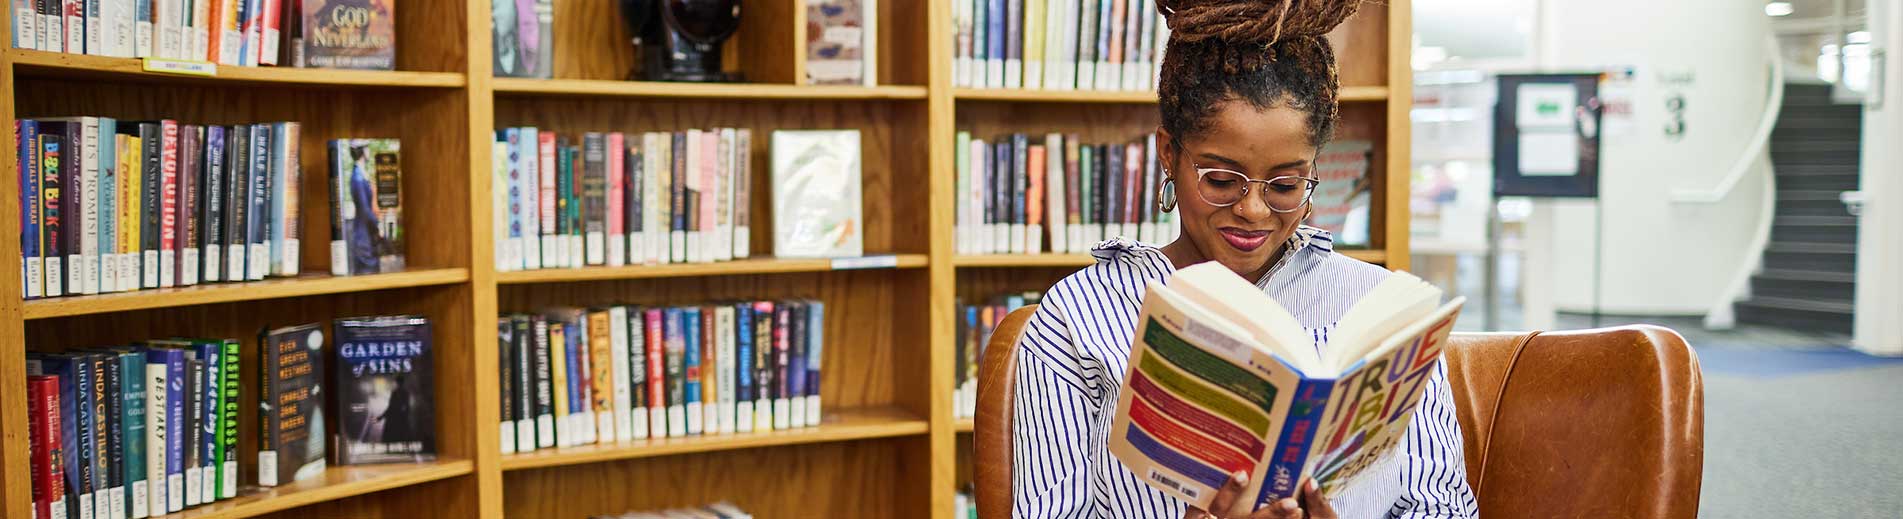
(961, 223)
(816, 194)
(1222, 379)
(743, 194)
(623, 407)
(724, 366)
(1054, 192)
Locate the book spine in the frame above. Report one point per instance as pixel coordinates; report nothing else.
(269, 424)
(26, 22)
(1086, 42)
(107, 208)
(73, 16)
(763, 380)
(1107, 21)
(168, 203)
(722, 206)
(1002, 181)
(72, 204)
(27, 131)
(545, 158)
(691, 370)
(724, 363)
(961, 43)
(560, 357)
(528, 164)
(980, 43)
(1293, 445)
(212, 206)
(109, 399)
(157, 433)
(743, 368)
(995, 35)
(51, 222)
(656, 346)
(189, 428)
(544, 385)
(676, 383)
(743, 195)
(270, 32)
(637, 366)
(175, 404)
(601, 378)
(190, 175)
(525, 377)
(287, 177)
(505, 367)
(618, 368)
(1014, 43)
(213, 355)
(1112, 68)
(258, 222)
(228, 386)
(961, 209)
(132, 425)
(680, 192)
(1034, 14)
(45, 456)
(237, 201)
(815, 348)
(635, 203)
(1020, 191)
(592, 172)
(782, 383)
(709, 371)
(796, 364)
(614, 223)
(88, 161)
(575, 214)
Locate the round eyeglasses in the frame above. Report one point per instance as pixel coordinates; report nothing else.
(1223, 188)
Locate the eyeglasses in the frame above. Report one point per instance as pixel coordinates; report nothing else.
(1223, 188)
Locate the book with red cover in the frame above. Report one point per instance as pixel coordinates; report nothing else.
(43, 431)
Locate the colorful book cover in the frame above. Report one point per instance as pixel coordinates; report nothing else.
(351, 34)
(106, 209)
(46, 452)
(291, 442)
(782, 375)
(385, 391)
(599, 347)
(190, 175)
(211, 199)
(286, 176)
(618, 176)
(656, 346)
(52, 227)
(744, 390)
(837, 40)
(710, 370)
(168, 203)
(518, 41)
(27, 131)
(227, 455)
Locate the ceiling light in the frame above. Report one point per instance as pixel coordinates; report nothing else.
(1778, 9)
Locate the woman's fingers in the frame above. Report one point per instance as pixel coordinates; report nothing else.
(1315, 503)
(1280, 509)
(1226, 496)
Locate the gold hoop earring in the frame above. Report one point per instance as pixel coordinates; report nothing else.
(1166, 194)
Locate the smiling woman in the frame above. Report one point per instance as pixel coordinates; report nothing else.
(1248, 95)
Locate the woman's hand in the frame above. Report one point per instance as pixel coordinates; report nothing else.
(1313, 505)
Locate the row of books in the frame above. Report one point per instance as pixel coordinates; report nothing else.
(721, 510)
(120, 206)
(975, 322)
(1058, 44)
(152, 428)
(1017, 193)
(618, 199)
(315, 33)
(614, 199)
(964, 506)
(573, 376)
(116, 206)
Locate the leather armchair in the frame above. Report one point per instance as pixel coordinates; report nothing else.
(1590, 423)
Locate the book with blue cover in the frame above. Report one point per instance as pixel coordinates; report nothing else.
(385, 394)
(690, 369)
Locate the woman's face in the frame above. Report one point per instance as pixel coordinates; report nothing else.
(1263, 144)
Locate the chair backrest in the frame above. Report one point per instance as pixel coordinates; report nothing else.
(1591, 423)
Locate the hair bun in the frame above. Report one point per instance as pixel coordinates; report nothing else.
(1261, 22)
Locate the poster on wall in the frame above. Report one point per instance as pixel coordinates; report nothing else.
(1546, 136)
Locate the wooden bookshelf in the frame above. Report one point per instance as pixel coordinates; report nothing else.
(336, 483)
(890, 447)
(840, 425)
(309, 284)
(1354, 94)
(611, 88)
(964, 425)
(725, 268)
(34, 63)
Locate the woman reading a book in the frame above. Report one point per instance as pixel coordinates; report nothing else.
(1248, 95)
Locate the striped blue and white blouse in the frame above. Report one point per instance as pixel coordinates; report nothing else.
(1074, 352)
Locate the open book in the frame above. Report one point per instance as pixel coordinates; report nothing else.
(1223, 380)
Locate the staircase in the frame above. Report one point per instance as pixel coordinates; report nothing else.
(1808, 276)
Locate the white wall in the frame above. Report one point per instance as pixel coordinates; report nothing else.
(1661, 257)
(1879, 322)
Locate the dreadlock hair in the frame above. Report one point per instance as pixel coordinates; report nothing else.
(1266, 53)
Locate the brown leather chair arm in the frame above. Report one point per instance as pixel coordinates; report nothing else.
(991, 434)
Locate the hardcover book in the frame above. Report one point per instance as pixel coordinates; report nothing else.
(351, 34)
(291, 434)
(816, 194)
(367, 205)
(1222, 379)
(840, 37)
(385, 401)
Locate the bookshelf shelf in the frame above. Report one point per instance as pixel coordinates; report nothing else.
(964, 425)
(1084, 260)
(309, 284)
(658, 89)
(42, 64)
(1348, 94)
(337, 483)
(724, 268)
(840, 425)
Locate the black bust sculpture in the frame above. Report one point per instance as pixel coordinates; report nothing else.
(680, 39)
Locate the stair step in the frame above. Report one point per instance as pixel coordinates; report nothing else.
(1807, 275)
(1750, 311)
(1802, 290)
(1815, 146)
(1811, 256)
(1781, 159)
(1822, 89)
(1816, 221)
(1844, 307)
(1816, 169)
(1808, 108)
(1803, 121)
(1810, 202)
(1831, 183)
(1840, 134)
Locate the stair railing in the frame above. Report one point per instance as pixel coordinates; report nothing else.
(1720, 315)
